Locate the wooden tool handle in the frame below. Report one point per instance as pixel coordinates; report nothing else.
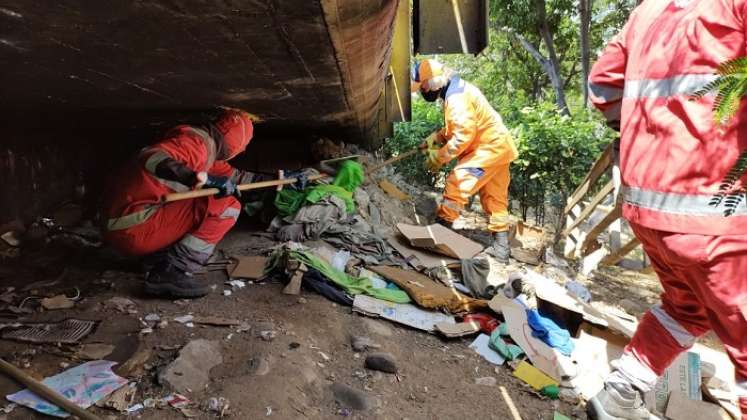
(45, 392)
(392, 160)
(241, 187)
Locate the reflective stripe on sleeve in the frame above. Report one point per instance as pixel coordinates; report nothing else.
(230, 213)
(606, 93)
(741, 390)
(154, 160)
(686, 204)
(685, 84)
(678, 332)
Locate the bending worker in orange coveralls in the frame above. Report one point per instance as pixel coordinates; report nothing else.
(475, 135)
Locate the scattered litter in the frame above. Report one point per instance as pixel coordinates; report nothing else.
(460, 329)
(8, 408)
(58, 302)
(680, 407)
(218, 405)
(184, 319)
(236, 284)
(324, 356)
(190, 370)
(249, 267)
(486, 381)
(69, 331)
(152, 318)
(558, 416)
(268, 411)
(216, 321)
(177, 401)
(481, 346)
(84, 385)
(579, 290)
(10, 238)
(120, 399)
(340, 260)
(533, 376)
(135, 408)
(121, 304)
(268, 335)
(150, 403)
(95, 351)
(227, 292)
(402, 313)
(682, 375)
(440, 239)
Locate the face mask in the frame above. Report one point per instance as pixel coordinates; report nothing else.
(431, 96)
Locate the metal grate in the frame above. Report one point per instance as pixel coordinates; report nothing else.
(69, 331)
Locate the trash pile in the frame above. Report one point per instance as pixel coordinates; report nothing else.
(363, 243)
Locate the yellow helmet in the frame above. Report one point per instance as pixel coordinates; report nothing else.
(424, 71)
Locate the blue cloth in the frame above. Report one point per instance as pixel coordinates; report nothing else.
(549, 332)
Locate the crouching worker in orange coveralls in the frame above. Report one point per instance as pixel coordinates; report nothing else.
(475, 135)
(180, 236)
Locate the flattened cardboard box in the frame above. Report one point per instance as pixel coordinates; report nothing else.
(440, 239)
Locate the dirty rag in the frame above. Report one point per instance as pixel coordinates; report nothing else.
(508, 351)
(482, 275)
(315, 281)
(349, 177)
(549, 332)
(351, 285)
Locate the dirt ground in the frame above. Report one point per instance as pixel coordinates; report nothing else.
(310, 352)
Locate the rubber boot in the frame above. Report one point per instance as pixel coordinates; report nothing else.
(501, 250)
(618, 401)
(166, 280)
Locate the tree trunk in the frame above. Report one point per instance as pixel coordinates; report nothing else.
(553, 66)
(584, 11)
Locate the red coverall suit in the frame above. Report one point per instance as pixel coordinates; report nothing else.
(673, 161)
(139, 224)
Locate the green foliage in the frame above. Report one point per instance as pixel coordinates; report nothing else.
(731, 87)
(426, 118)
(555, 153)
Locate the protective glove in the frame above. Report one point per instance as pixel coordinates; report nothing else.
(431, 160)
(224, 184)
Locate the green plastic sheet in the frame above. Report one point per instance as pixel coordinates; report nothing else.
(348, 179)
(351, 285)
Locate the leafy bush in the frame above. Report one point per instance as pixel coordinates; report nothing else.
(555, 153)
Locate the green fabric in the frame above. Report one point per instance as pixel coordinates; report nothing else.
(508, 351)
(349, 177)
(351, 285)
(503, 329)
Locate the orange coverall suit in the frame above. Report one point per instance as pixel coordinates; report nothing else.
(476, 136)
(139, 224)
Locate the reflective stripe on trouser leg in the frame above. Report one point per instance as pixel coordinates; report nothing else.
(653, 345)
(190, 253)
(449, 210)
(675, 329)
(494, 198)
(461, 184)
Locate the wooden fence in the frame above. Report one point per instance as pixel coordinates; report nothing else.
(587, 218)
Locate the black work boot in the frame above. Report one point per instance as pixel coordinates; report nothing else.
(618, 401)
(501, 249)
(167, 280)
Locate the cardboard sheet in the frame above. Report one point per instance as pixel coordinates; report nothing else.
(419, 258)
(542, 356)
(440, 239)
(393, 191)
(428, 293)
(460, 329)
(683, 375)
(403, 313)
(593, 355)
(249, 267)
(680, 407)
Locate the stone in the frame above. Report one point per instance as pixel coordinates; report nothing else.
(630, 306)
(361, 344)
(377, 327)
(349, 397)
(486, 381)
(259, 366)
(384, 362)
(191, 369)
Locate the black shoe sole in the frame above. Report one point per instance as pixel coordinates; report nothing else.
(168, 289)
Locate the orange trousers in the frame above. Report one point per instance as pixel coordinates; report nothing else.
(468, 179)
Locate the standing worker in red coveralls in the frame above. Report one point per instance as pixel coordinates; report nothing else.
(181, 235)
(673, 160)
